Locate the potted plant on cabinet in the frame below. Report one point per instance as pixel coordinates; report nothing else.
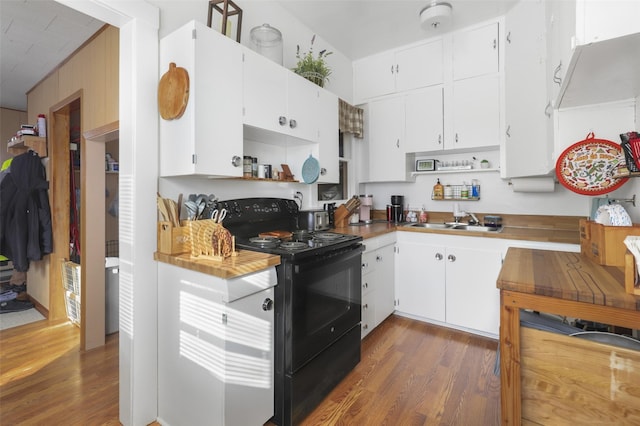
(313, 68)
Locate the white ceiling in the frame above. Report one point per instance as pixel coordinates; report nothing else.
(359, 28)
(37, 35)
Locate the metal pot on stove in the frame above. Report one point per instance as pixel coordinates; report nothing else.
(314, 220)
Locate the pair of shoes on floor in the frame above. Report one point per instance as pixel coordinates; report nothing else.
(18, 288)
(14, 306)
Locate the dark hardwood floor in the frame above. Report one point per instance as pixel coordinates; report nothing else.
(411, 373)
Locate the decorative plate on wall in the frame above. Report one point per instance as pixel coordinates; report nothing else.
(587, 167)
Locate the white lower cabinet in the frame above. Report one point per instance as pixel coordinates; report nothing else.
(449, 279)
(378, 265)
(215, 347)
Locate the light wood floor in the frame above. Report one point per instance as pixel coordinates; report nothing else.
(411, 373)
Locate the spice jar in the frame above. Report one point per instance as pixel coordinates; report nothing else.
(247, 162)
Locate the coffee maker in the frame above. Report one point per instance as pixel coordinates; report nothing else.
(366, 203)
(395, 211)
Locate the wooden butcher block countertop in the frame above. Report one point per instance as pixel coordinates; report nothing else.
(246, 262)
(565, 275)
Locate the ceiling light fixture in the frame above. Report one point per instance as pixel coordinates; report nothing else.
(436, 16)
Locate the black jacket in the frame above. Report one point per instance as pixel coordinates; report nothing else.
(25, 215)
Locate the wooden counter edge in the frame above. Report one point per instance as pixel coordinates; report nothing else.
(247, 262)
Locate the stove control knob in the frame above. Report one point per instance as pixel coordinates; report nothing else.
(267, 305)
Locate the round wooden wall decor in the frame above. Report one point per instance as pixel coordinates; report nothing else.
(173, 92)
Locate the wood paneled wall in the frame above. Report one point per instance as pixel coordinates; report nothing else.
(94, 70)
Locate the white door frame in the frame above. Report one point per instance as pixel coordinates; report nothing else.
(139, 23)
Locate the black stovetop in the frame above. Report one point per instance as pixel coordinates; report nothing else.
(248, 217)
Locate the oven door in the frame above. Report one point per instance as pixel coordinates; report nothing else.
(325, 303)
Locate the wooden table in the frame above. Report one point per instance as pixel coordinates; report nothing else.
(565, 284)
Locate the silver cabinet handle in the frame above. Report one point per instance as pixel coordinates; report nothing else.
(378, 258)
(438, 256)
(267, 305)
(323, 171)
(365, 285)
(439, 139)
(495, 43)
(366, 264)
(293, 124)
(547, 110)
(508, 132)
(397, 68)
(282, 120)
(456, 138)
(451, 258)
(391, 68)
(508, 37)
(397, 143)
(236, 161)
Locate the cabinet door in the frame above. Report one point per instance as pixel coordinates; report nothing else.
(472, 298)
(420, 285)
(386, 142)
(367, 322)
(302, 107)
(419, 66)
(476, 113)
(385, 273)
(475, 52)
(424, 120)
(328, 138)
(209, 133)
(527, 148)
(265, 93)
(249, 350)
(374, 76)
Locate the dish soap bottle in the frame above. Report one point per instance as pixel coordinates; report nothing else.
(438, 191)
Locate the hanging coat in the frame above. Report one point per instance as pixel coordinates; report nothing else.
(25, 214)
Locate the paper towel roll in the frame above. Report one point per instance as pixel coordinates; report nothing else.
(537, 184)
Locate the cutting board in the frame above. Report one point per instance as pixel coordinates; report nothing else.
(173, 92)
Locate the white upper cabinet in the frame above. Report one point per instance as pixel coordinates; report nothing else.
(603, 38)
(328, 138)
(277, 100)
(207, 138)
(424, 120)
(475, 113)
(528, 143)
(386, 145)
(475, 52)
(399, 70)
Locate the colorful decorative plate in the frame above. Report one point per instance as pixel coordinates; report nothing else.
(587, 167)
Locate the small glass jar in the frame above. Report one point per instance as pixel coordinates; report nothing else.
(448, 192)
(254, 167)
(247, 162)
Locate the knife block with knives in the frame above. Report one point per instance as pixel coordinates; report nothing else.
(344, 212)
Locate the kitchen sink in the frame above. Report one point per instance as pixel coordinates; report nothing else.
(455, 227)
(430, 225)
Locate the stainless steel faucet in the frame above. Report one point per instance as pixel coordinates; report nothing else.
(460, 214)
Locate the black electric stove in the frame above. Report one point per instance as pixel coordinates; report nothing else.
(317, 303)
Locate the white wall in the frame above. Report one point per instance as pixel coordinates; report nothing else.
(607, 121)
(175, 13)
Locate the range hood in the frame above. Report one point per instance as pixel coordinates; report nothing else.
(603, 71)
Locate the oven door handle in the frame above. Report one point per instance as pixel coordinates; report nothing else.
(343, 255)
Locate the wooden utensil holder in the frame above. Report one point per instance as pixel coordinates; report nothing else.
(173, 240)
(341, 217)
